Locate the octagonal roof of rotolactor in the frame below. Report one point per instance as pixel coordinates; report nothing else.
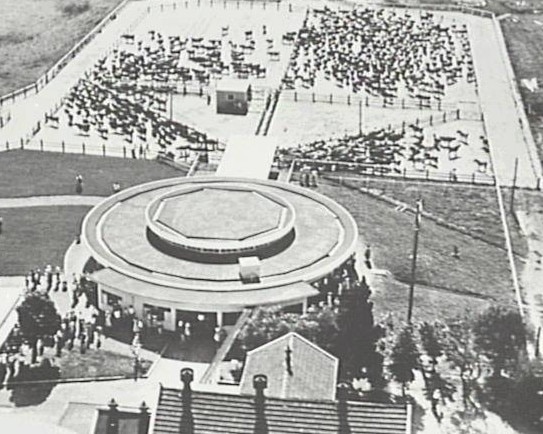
(220, 214)
(117, 234)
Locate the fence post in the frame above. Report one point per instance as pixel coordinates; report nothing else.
(439, 105)
(103, 149)
(473, 177)
(444, 117)
(41, 145)
(124, 151)
(403, 103)
(22, 143)
(427, 174)
(367, 102)
(404, 173)
(83, 147)
(538, 184)
(457, 114)
(7, 147)
(295, 96)
(348, 99)
(313, 97)
(431, 120)
(63, 146)
(331, 98)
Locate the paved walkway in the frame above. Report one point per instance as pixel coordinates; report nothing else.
(508, 138)
(530, 216)
(25, 202)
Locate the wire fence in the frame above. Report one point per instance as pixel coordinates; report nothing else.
(377, 101)
(345, 170)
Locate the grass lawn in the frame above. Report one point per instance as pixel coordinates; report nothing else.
(473, 208)
(389, 296)
(524, 41)
(36, 33)
(94, 363)
(37, 236)
(34, 173)
(482, 271)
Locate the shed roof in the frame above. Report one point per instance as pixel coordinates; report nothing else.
(299, 369)
(232, 85)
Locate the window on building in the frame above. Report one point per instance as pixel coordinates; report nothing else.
(160, 312)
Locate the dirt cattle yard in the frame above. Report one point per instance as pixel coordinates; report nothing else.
(441, 102)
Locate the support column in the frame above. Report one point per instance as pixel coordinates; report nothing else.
(219, 319)
(170, 322)
(304, 306)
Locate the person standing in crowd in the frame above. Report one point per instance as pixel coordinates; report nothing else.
(367, 257)
(79, 184)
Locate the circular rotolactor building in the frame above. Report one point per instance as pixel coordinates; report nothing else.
(188, 247)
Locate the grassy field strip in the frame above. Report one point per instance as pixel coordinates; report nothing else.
(527, 132)
(27, 113)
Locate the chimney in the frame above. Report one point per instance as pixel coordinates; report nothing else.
(343, 390)
(187, 421)
(187, 375)
(112, 417)
(143, 426)
(260, 382)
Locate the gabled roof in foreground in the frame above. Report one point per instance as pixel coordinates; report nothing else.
(213, 413)
(299, 369)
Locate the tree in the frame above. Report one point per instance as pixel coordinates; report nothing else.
(500, 335)
(267, 324)
(463, 355)
(431, 338)
(356, 344)
(404, 357)
(38, 318)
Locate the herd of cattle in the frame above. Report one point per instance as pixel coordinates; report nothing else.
(380, 52)
(393, 151)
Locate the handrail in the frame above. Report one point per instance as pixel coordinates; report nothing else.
(209, 374)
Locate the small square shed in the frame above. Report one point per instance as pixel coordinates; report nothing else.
(233, 96)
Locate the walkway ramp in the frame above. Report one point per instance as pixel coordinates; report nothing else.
(248, 157)
(11, 291)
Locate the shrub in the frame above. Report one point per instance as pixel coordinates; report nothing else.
(74, 7)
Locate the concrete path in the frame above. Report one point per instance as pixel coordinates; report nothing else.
(25, 202)
(530, 216)
(11, 288)
(505, 130)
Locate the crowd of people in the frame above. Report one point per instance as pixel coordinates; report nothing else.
(80, 327)
(332, 286)
(381, 52)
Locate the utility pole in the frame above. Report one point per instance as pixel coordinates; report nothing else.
(418, 216)
(512, 204)
(360, 117)
(171, 104)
